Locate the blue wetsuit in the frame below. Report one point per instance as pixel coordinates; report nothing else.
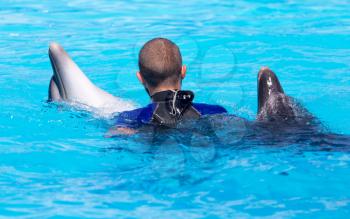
(143, 116)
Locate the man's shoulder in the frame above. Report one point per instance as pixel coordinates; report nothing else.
(209, 109)
(136, 112)
(147, 111)
(134, 117)
(137, 117)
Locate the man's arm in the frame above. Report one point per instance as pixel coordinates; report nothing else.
(119, 131)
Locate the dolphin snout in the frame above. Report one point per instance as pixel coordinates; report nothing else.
(264, 70)
(55, 46)
(267, 79)
(268, 85)
(55, 49)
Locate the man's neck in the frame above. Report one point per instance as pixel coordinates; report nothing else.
(163, 88)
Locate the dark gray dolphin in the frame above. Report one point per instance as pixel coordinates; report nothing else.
(274, 104)
(70, 84)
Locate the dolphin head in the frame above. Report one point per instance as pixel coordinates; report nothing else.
(67, 80)
(273, 104)
(70, 84)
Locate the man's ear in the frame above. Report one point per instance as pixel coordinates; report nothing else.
(139, 76)
(183, 71)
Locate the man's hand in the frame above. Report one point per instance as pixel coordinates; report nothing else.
(115, 131)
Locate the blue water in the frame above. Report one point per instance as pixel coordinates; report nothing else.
(56, 163)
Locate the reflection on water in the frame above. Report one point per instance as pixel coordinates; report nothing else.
(54, 161)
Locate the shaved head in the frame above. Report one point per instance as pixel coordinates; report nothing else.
(160, 62)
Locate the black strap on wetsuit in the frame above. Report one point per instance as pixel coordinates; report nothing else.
(173, 107)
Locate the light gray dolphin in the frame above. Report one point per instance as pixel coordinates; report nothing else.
(71, 85)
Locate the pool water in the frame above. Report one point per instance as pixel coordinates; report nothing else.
(55, 162)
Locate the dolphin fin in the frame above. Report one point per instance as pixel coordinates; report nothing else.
(54, 93)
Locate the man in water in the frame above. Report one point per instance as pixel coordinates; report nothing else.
(161, 73)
